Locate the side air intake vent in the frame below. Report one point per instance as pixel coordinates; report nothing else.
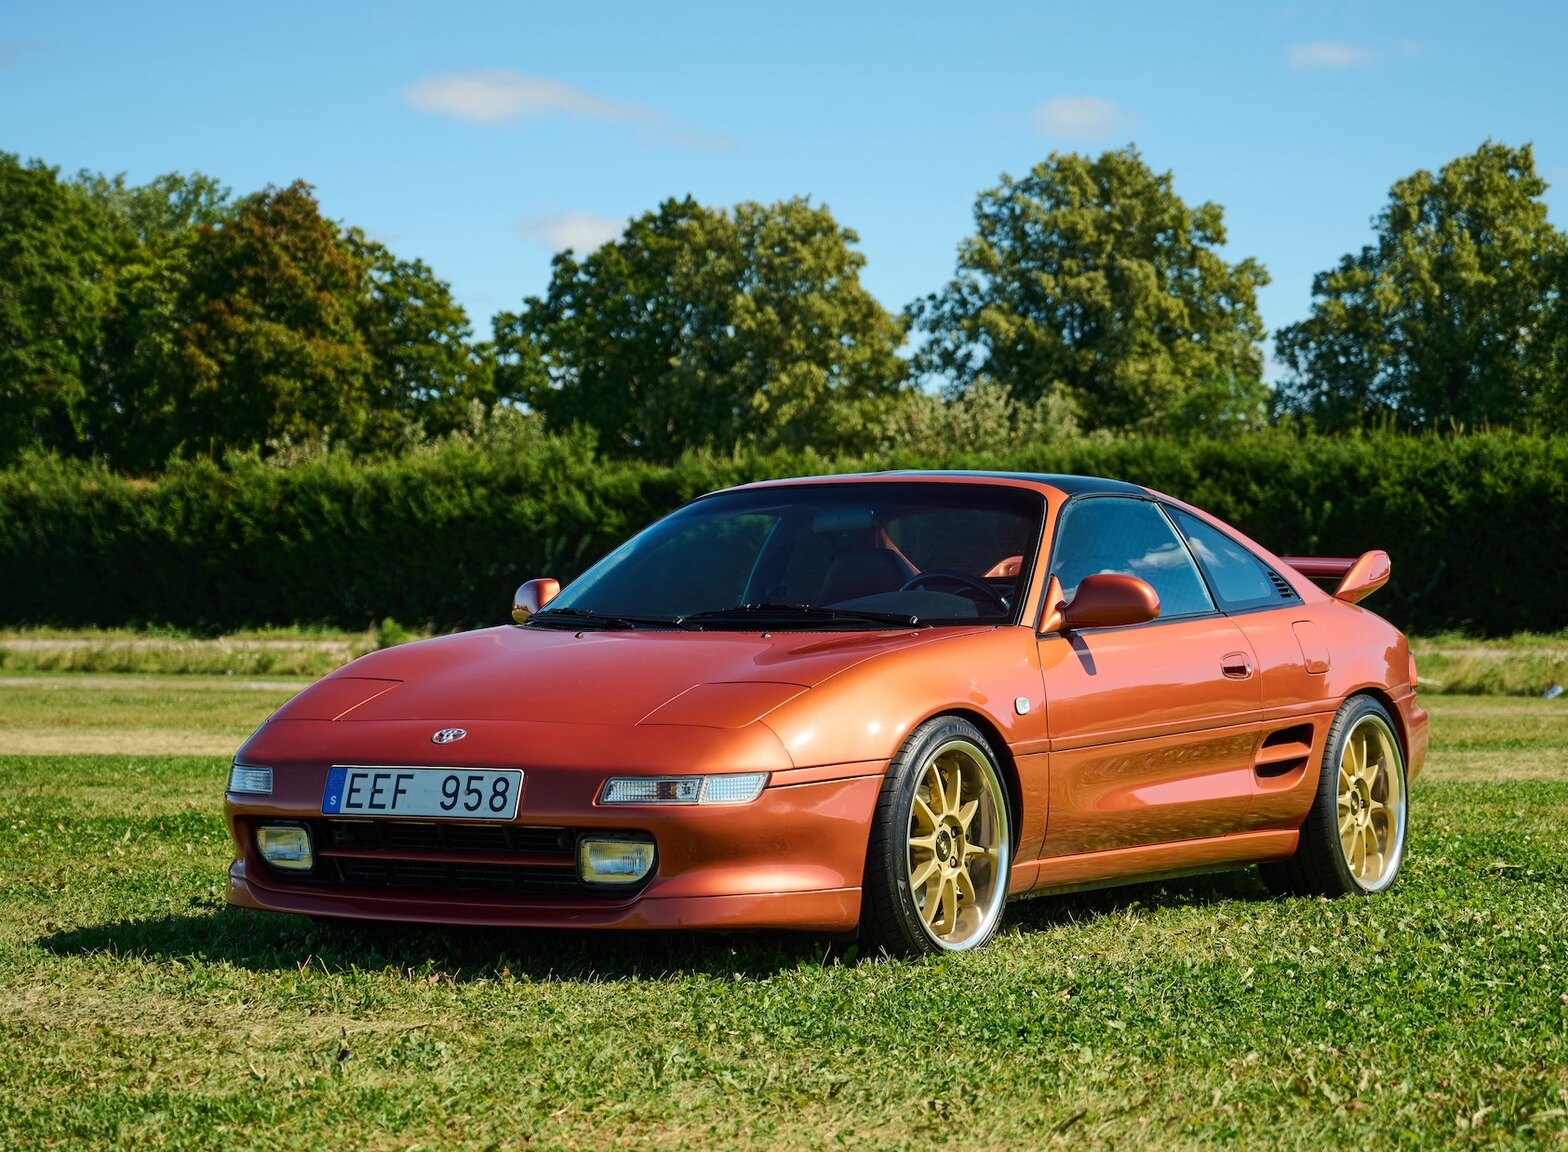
(1286, 592)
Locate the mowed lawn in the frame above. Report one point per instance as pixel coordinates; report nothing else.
(138, 1010)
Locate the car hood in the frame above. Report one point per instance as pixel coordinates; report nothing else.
(708, 679)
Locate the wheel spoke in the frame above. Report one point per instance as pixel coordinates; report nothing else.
(924, 814)
(955, 787)
(933, 904)
(973, 850)
(937, 898)
(938, 789)
(924, 843)
(967, 814)
(964, 886)
(1349, 821)
(919, 876)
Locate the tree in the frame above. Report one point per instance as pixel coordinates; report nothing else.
(54, 244)
(267, 345)
(151, 229)
(1094, 277)
(983, 418)
(710, 328)
(426, 370)
(1454, 315)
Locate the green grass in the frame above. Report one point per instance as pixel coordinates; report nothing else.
(138, 1010)
(1523, 665)
(293, 651)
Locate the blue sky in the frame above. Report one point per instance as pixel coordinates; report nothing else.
(479, 136)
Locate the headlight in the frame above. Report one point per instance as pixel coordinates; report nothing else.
(249, 780)
(731, 788)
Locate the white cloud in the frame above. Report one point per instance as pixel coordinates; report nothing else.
(582, 231)
(1335, 54)
(499, 96)
(1080, 117)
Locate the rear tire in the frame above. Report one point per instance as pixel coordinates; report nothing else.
(941, 846)
(1353, 840)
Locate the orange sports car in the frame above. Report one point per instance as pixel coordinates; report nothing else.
(879, 703)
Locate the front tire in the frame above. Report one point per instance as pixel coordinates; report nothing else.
(941, 845)
(1353, 841)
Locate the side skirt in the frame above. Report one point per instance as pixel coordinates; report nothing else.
(1151, 862)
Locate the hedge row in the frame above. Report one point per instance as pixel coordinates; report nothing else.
(1477, 525)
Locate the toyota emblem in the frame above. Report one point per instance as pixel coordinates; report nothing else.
(449, 735)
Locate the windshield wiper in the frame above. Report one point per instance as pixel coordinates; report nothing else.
(579, 618)
(755, 613)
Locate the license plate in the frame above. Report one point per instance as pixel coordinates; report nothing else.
(429, 793)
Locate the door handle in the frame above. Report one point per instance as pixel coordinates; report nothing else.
(1236, 665)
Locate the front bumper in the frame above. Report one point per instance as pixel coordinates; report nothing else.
(793, 859)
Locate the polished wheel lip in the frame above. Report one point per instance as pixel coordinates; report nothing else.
(1371, 803)
(957, 845)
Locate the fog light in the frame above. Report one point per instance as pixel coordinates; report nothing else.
(601, 861)
(285, 846)
(253, 781)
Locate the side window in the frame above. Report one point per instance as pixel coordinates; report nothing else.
(1239, 578)
(1132, 537)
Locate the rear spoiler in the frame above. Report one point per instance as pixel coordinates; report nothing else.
(1358, 578)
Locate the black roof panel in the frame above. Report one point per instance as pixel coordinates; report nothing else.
(1072, 485)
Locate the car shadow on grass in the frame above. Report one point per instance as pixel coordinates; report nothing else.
(273, 942)
(1051, 912)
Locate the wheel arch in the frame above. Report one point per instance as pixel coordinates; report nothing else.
(1004, 762)
(1381, 695)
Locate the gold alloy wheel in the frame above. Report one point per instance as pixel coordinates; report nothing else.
(1371, 807)
(957, 833)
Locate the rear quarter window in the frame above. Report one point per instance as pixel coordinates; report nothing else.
(1239, 579)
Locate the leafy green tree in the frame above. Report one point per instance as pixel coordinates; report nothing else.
(1454, 315)
(151, 230)
(710, 328)
(54, 244)
(983, 418)
(267, 346)
(426, 368)
(1093, 277)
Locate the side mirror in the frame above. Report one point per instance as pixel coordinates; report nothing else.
(1109, 600)
(532, 596)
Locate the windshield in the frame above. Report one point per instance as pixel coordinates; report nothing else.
(815, 556)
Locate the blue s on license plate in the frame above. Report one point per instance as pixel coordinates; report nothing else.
(428, 793)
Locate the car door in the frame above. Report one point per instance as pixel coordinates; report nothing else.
(1293, 658)
(1152, 726)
